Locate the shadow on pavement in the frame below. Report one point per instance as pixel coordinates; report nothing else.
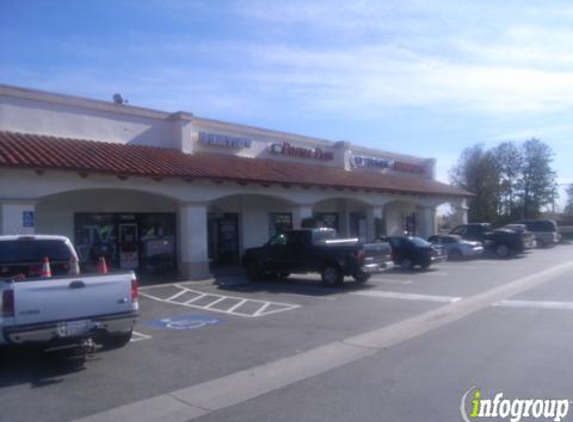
(38, 368)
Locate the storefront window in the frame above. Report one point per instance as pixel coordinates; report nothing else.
(328, 219)
(143, 242)
(223, 238)
(358, 225)
(279, 222)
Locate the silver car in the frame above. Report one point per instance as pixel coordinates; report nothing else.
(456, 247)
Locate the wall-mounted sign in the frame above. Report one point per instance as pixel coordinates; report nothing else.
(291, 151)
(407, 167)
(213, 139)
(27, 218)
(359, 161)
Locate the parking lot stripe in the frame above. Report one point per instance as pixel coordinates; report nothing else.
(261, 309)
(395, 281)
(137, 336)
(407, 296)
(539, 304)
(232, 308)
(196, 298)
(176, 295)
(222, 298)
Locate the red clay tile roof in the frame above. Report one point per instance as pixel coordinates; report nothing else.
(39, 152)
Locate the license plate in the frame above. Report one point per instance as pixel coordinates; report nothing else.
(74, 328)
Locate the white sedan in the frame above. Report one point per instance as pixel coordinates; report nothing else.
(456, 247)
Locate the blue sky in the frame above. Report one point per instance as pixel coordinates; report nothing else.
(420, 77)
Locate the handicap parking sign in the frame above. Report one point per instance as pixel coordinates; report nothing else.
(28, 218)
(185, 322)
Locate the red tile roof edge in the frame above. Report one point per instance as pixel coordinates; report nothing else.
(44, 152)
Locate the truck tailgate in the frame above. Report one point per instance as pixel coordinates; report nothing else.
(60, 299)
(377, 253)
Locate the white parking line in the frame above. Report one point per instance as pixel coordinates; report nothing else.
(194, 299)
(222, 298)
(137, 336)
(435, 273)
(256, 308)
(265, 306)
(237, 305)
(407, 296)
(539, 304)
(394, 281)
(176, 295)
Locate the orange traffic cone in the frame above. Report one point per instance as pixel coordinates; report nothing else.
(46, 270)
(102, 266)
(74, 266)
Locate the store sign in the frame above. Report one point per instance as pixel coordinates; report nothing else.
(407, 167)
(359, 161)
(300, 152)
(213, 139)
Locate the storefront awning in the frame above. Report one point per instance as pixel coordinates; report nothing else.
(39, 152)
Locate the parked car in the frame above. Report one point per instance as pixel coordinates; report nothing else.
(47, 303)
(546, 231)
(316, 250)
(456, 247)
(502, 242)
(408, 252)
(529, 240)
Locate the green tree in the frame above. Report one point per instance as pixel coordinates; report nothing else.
(536, 187)
(509, 160)
(477, 171)
(569, 205)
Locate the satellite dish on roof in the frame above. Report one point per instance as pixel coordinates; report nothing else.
(118, 99)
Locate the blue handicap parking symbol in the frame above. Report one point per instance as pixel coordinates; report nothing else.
(185, 322)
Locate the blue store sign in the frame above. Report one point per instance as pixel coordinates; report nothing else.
(28, 218)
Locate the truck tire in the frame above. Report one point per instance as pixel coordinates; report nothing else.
(362, 277)
(331, 275)
(502, 251)
(115, 341)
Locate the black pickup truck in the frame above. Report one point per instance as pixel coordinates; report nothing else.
(502, 242)
(316, 250)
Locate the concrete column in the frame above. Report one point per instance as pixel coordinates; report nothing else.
(17, 217)
(194, 263)
(462, 212)
(300, 213)
(372, 214)
(428, 226)
(343, 218)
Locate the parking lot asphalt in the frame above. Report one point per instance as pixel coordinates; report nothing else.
(191, 333)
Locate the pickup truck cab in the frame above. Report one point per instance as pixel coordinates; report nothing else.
(316, 250)
(65, 308)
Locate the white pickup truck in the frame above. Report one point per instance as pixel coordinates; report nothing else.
(66, 308)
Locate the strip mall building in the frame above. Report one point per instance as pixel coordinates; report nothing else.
(172, 192)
